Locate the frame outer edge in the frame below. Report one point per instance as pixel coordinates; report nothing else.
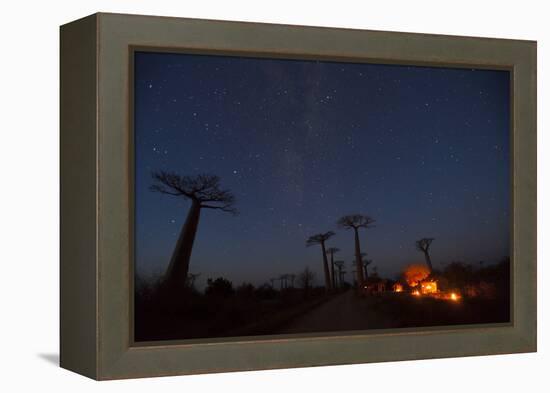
(525, 218)
(117, 358)
(78, 197)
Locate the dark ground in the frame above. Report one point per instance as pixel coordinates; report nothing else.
(231, 317)
(396, 310)
(200, 316)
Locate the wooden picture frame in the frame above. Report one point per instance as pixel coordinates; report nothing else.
(97, 202)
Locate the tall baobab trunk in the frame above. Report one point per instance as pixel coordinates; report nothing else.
(366, 267)
(328, 285)
(424, 246)
(204, 192)
(428, 260)
(176, 274)
(358, 260)
(320, 239)
(357, 221)
(338, 275)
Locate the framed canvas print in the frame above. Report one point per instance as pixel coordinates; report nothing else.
(240, 196)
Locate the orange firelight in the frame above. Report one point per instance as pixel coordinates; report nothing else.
(414, 274)
(398, 288)
(428, 287)
(416, 292)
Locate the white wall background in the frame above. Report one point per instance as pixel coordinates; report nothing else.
(29, 193)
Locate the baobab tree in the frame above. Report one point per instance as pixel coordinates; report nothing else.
(191, 278)
(375, 271)
(342, 277)
(424, 246)
(305, 280)
(283, 278)
(366, 264)
(204, 192)
(321, 238)
(331, 251)
(355, 222)
(291, 277)
(340, 266)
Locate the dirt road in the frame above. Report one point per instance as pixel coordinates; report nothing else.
(345, 311)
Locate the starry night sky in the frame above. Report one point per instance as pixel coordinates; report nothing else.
(424, 151)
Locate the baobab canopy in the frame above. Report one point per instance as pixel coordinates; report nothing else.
(356, 221)
(205, 193)
(204, 189)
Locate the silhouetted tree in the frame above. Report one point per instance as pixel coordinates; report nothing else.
(305, 280)
(366, 264)
(331, 251)
(424, 246)
(219, 287)
(374, 271)
(459, 274)
(245, 290)
(191, 278)
(283, 278)
(340, 266)
(321, 238)
(265, 292)
(355, 222)
(342, 278)
(292, 277)
(204, 192)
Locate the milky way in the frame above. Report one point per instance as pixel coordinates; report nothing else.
(424, 151)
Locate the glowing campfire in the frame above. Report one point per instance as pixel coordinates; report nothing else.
(454, 296)
(397, 287)
(428, 287)
(414, 274)
(418, 278)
